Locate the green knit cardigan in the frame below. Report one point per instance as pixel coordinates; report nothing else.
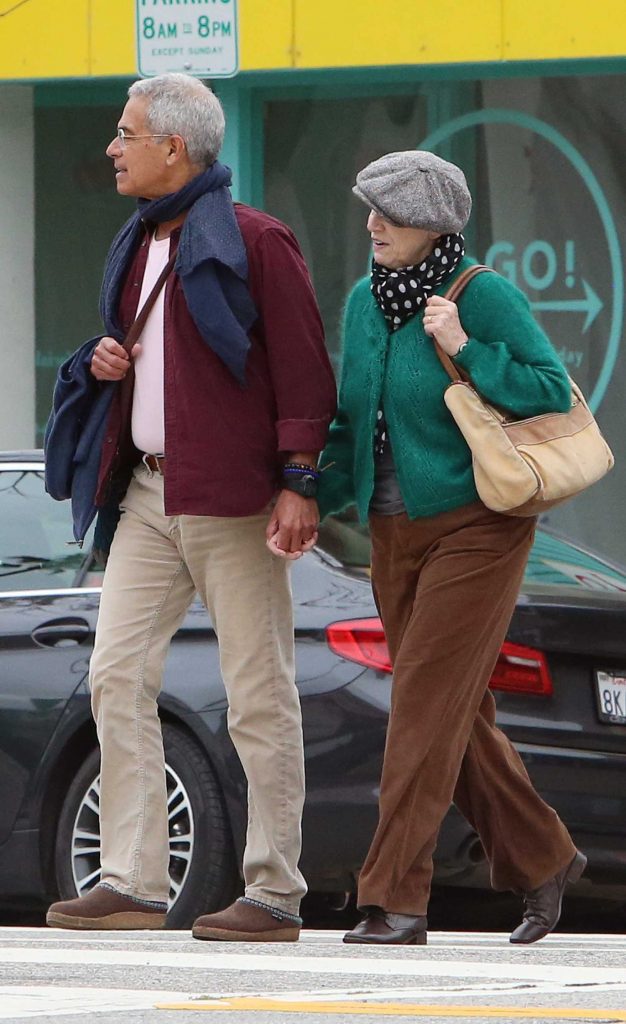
(509, 359)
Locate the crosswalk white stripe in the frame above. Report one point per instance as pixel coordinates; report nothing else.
(523, 975)
(512, 988)
(372, 963)
(26, 1001)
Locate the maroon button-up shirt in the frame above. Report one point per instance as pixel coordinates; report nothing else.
(223, 441)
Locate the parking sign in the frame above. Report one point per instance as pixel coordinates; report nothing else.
(195, 36)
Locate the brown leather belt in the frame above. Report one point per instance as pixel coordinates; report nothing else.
(155, 463)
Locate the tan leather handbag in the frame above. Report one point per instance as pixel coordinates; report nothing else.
(523, 467)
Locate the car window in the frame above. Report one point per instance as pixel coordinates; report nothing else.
(37, 548)
(558, 562)
(555, 562)
(347, 540)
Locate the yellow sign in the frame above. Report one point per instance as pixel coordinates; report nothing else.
(87, 38)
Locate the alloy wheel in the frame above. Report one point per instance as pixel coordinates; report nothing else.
(85, 848)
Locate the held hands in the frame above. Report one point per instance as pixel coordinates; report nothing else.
(110, 361)
(441, 321)
(292, 528)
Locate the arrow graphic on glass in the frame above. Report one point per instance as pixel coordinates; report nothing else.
(591, 305)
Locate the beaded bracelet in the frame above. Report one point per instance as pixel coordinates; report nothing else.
(300, 468)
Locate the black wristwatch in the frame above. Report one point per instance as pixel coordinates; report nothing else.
(304, 484)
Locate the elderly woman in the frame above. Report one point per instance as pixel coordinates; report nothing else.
(445, 570)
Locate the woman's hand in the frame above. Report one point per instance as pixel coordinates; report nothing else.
(441, 321)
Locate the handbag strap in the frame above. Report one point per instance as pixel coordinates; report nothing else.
(126, 385)
(140, 321)
(452, 295)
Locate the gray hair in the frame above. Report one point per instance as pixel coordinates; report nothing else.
(182, 105)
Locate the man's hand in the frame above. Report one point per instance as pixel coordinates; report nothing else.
(441, 320)
(110, 361)
(292, 528)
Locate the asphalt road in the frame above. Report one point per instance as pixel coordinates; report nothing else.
(168, 978)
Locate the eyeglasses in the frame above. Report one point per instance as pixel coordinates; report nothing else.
(123, 138)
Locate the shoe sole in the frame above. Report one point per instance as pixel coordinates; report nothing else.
(228, 935)
(421, 939)
(129, 921)
(574, 872)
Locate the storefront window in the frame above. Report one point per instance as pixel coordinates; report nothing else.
(544, 158)
(549, 214)
(77, 214)
(313, 150)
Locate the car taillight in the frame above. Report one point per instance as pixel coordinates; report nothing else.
(521, 670)
(360, 640)
(518, 669)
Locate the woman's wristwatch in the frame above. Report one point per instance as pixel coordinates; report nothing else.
(463, 345)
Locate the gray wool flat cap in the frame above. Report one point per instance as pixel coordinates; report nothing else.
(416, 189)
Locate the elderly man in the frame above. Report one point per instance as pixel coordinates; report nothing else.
(212, 441)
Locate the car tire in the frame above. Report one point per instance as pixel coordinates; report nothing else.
(203, 867)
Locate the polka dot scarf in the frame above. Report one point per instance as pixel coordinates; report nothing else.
(402, 293)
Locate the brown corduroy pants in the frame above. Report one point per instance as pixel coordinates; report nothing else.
(446, 587)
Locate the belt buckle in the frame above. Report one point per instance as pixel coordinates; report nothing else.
(146, 459)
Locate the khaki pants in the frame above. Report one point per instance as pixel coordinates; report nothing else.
(156, 565)
(446, 588)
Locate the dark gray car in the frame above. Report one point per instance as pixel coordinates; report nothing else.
(560, 684)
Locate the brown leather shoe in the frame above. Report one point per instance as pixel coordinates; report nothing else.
(379, 928)
(543, 905)
(247, 920)
(104, 908)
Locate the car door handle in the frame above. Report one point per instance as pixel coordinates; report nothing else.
(68, 632)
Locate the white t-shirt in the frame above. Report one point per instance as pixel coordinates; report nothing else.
(148, 416)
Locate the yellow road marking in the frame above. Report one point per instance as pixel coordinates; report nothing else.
(402, 1009)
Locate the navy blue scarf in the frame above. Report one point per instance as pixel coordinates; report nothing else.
(211, 263)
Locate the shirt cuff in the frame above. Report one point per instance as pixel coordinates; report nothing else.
(302, 435)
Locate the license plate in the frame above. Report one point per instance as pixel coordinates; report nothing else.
(611, 697)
